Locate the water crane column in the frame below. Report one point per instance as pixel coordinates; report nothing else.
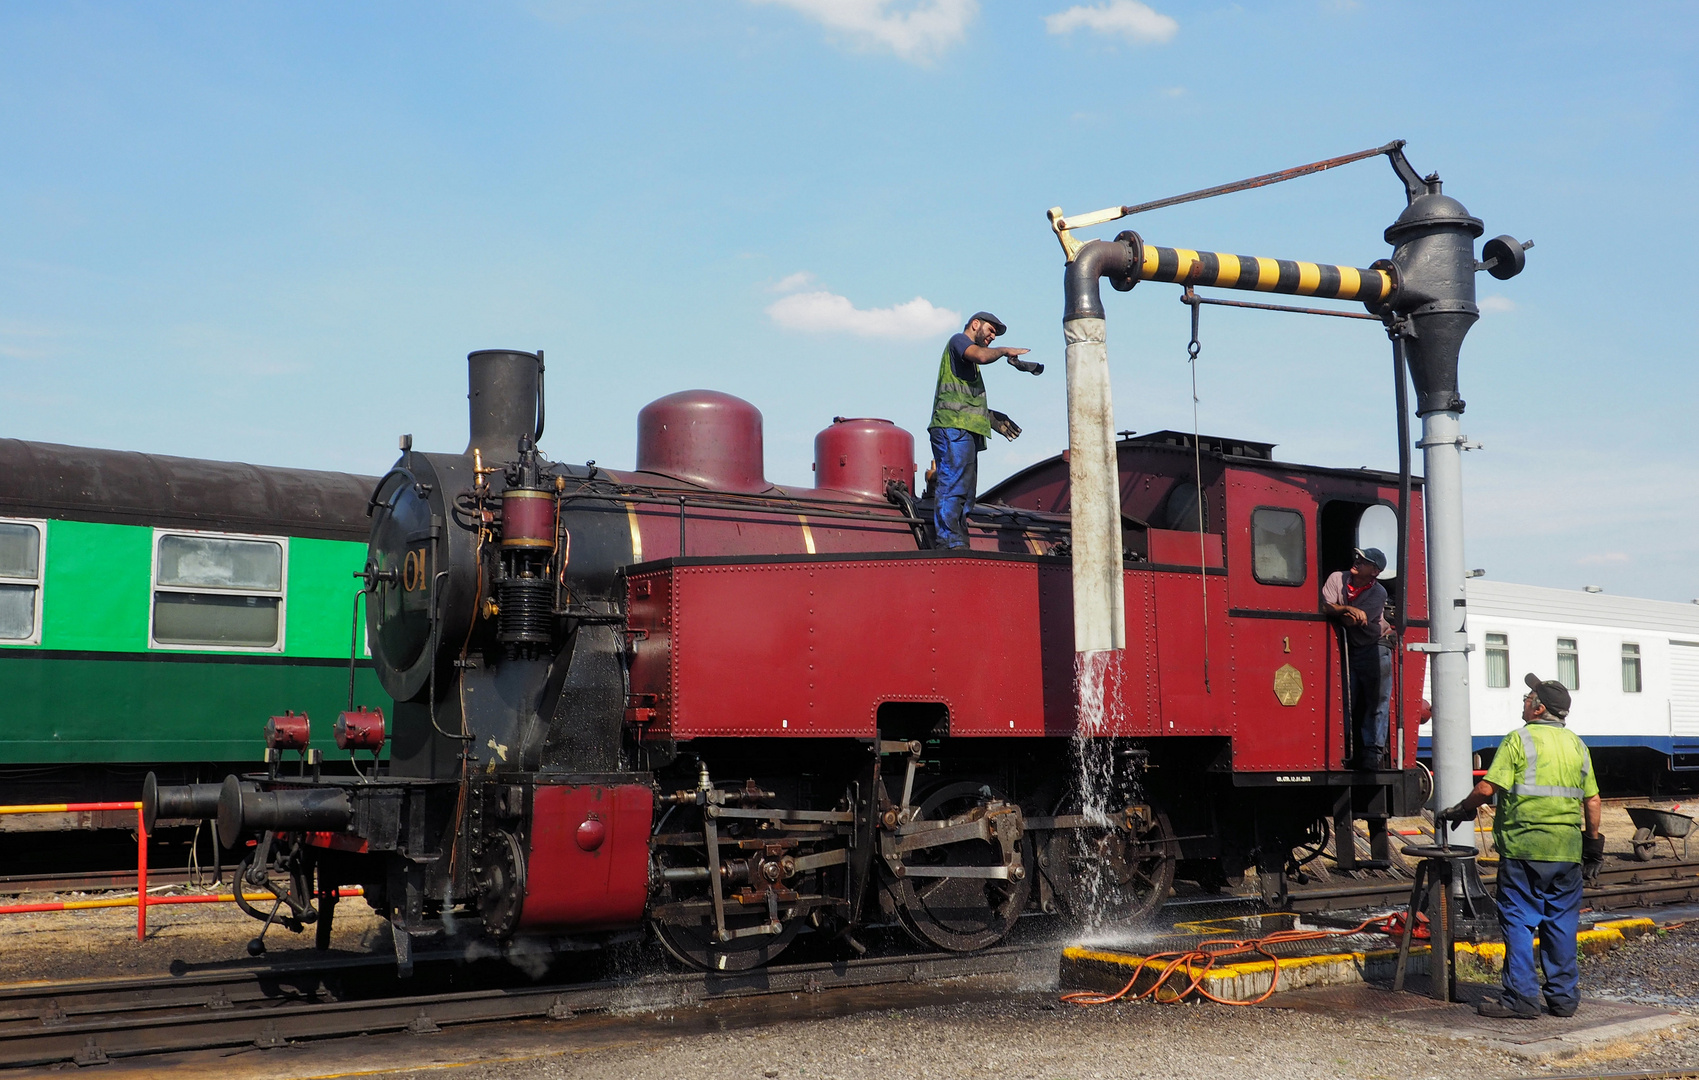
(1425, 294)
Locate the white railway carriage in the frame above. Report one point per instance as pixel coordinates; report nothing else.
(1631, 666)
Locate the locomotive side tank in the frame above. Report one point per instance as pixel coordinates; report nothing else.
(684, 699)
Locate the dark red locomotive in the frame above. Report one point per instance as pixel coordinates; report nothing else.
(683, 698)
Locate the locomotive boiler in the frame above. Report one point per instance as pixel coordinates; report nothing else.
(684, 701)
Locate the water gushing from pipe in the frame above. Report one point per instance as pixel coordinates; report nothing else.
(1097, 692)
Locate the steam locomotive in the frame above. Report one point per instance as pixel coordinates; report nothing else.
(682, 699)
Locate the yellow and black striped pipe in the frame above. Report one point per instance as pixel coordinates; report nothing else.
(1264, 275)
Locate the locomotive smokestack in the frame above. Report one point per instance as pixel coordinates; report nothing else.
(505, 392)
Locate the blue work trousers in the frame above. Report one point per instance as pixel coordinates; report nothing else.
(1383, 711)
(1363, 684)
(1543, 898)
(957, 454)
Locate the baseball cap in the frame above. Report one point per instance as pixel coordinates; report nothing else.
(996, 323)
(1551, 694)
(1371, 555)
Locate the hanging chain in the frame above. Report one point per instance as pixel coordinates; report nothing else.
(1193, 347)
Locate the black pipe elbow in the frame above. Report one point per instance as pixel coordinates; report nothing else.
(1117, 259)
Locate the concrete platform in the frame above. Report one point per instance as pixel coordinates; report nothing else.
(1345, 960)
(1351, 975)
(1599, 1030)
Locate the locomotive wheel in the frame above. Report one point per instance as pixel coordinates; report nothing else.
(692, 942)
(959, 914)
(502, 875)
(1111, 877)
(695, 945)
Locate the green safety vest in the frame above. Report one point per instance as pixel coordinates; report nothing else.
(959, 402)
(1543, 772)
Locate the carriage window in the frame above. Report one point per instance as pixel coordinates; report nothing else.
(1568, 663)
(1630, 668)
(1498, 661)
(1277, 546)
(213, 591)
(20, 581)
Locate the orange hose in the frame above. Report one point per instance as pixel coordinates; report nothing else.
(1198, 962)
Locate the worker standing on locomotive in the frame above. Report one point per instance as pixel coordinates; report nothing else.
(1547, 833)
(961, 422)
(1357, 600)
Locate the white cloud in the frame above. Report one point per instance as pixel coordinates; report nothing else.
(28, 341)
(1497, 304)
(921, 32)
(1130, 19)
(826, 313)
(1604, 558)
(791, 283)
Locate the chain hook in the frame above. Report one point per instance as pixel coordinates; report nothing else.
(1190, 299)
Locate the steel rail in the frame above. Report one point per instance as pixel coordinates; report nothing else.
(1616, 887)
(91, 880)
(96, 1039)
(34, 1004)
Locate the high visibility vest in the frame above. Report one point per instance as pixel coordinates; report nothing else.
(1543, 772)
(960, 403)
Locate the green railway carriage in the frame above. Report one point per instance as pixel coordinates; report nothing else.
(155, 610)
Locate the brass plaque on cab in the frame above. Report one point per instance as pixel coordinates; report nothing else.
(1288, 684)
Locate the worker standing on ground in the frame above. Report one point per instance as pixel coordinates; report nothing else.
(961, 422)
(1547, 833)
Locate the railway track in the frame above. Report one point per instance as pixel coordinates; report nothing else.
(99, 880)
(1620, 884)
(88, 1023)
(91, 1021)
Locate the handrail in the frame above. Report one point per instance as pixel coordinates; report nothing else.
(141, 843)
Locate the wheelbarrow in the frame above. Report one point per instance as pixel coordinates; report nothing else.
(1651, 823)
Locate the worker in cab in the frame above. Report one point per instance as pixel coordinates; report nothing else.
(961, 422)
(1356, 599)
(1547, 833)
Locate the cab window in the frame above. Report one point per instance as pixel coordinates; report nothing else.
(1277, 546)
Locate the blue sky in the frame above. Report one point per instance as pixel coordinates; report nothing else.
(272, 232)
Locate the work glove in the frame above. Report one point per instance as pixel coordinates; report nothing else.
(1030, 366)
(1456, 815)
(1002, 425)
(1592, 855)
